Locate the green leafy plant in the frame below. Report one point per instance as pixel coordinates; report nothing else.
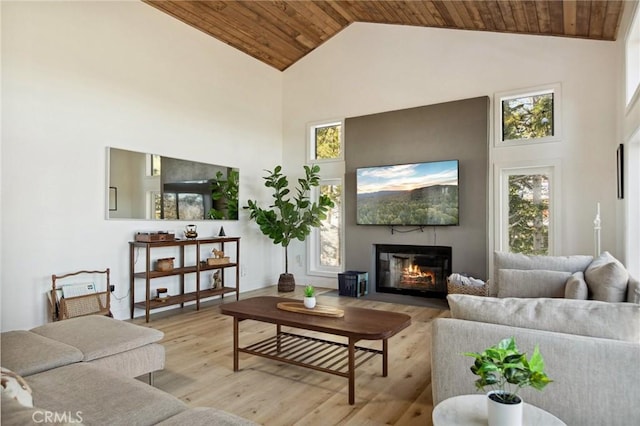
(290, 218)
(224, 190)
(309, 291)
(505, 369)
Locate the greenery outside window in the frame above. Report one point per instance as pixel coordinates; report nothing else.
(177, 206)
(528, 116)
(325, 245)
(527, 215)
(325, 141)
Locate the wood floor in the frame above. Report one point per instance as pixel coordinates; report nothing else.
(199, 370)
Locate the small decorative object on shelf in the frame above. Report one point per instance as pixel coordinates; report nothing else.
(191, 231)
(309, 297)
(221, 233)
(505, 370)
(148, 237)
(216, 280)
(162, 293)
(218, 258)
(165, 264)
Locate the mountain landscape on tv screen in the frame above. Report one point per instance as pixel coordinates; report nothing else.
(429, 205)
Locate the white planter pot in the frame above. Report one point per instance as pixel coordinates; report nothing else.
(309, 302)
(501, 414)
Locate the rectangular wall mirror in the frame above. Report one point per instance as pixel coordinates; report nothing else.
(152, 187)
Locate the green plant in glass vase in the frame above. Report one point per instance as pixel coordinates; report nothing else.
(290, 218)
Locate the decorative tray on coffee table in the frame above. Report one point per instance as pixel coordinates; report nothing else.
(320, 310)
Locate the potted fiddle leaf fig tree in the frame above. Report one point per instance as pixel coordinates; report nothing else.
(292, 214)
(504, 370)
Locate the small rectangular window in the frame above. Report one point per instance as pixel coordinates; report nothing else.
(528, 116)
(325, 141)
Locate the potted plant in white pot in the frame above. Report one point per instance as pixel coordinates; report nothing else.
(504, 371)
(309, 297)
(290, 218)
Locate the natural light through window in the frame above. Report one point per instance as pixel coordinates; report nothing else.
(632, 53)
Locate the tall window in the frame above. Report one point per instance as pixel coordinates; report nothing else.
(325, 244)
(325, 141)
(528, 116)
(526, 210)
(632, 58)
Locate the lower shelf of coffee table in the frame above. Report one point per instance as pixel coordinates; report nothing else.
(311, 352)
(187, 297)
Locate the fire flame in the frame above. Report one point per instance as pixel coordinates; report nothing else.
(414, 271)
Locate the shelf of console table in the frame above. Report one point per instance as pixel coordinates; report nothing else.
(187, 297)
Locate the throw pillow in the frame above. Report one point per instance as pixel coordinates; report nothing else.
(576, 287)
(531, 283)
(14, 386)
(618, 321)
(607, 279)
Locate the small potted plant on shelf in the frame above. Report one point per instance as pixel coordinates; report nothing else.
(504, 370)
(309, 297)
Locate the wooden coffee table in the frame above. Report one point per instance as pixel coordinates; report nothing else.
(319, 354)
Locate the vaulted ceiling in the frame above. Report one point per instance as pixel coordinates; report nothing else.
(279, 33)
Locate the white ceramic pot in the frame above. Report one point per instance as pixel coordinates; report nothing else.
(309, 302)
(501, 414)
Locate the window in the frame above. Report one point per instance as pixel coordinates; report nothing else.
(632, 56)
(153, 165)
(325, 141)
(527, 210)
(325, 242)
(170, 205)
(528, 116)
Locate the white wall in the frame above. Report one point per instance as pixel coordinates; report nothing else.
(369, 68)
(80, 76)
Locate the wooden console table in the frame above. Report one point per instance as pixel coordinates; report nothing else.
(184, 267)
(337, 358)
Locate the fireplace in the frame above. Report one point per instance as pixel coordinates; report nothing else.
(413, 270)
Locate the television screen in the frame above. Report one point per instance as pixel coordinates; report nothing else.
(419, 194)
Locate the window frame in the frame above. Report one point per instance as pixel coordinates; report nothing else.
(632, 60)
(552, 169)
(314, 268)
(499, 97)
(311, 140)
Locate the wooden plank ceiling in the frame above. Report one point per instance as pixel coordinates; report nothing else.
(279, 33)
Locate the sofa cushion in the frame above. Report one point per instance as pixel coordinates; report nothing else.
(607, 279)
(576, 287)
(28, 353)
(633, 290)
(99, 336)
(102, 397)
(618, 321)
(506, 260)
(14, 386)
(531, 283)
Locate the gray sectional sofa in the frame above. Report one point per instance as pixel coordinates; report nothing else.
(81, 371)
(591, 351)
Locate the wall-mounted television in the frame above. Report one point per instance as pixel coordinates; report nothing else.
(417, 194)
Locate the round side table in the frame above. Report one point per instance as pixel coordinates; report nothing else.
(471, 410)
